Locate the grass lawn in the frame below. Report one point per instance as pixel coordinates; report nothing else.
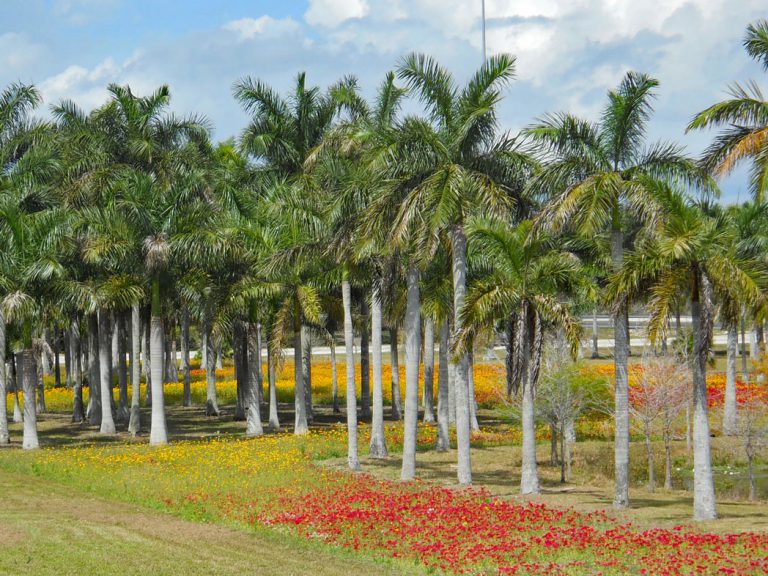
(49, 528)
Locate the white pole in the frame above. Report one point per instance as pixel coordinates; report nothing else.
(483, 18)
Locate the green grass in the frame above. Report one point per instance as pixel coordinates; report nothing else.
(49, 529)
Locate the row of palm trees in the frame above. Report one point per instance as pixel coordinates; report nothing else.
(330, 211)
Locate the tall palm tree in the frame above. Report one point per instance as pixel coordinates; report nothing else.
(283, 133)
(291, 268)
(750, 233)
(523, 277)
(445, 167)
(744, 119)
(345, 159)
(693, 252)
(17, 133)
(599, 177)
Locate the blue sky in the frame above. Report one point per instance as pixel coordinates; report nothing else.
(569, 51)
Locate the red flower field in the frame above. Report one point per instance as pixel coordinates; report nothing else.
(468, 532)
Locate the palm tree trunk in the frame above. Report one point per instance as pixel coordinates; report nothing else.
(122, 370)
(412, 345)
(744, 371)
(461, 370)
(68, 370)
(158, 433)
(443, 442)
(17, 417)
(595, 352)
(187, 396)
(334, 376)
(474, 425)
(253, 413)
(703, 486)
(28, 369)
(353, 459)
(451, 390)
(378, 448)
(429, 369)
(203, 349)
(134, 423)
(529, 477)
(257, 365)
(94, 372)
(239, 353)
(306, 367)
(274, 420)
(105, 361)
(170, 376)
(78, 410)
(299, 403)
(211, 402)
(57, 363)
(621, 413)
(365, 367)
(729, 411)
(397, 407)
(562, 452)
(147, 356)
(4, 435)
(40, 398)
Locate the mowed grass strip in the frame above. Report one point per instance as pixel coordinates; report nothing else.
(49, 529)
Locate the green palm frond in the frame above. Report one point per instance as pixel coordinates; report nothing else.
(623, 123)
(433, 83)
(756, 42)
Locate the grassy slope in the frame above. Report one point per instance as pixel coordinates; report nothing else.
(47, 529)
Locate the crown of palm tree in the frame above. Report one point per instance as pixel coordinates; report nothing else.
(744, 119)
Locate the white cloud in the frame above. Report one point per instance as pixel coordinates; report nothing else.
(87, 87)
(18, 52)
(331, 13)
(82, 12)
(250, 28)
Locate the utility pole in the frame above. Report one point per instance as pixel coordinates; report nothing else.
(482, 2)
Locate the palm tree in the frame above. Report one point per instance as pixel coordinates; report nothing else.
(744, 118)
(134, 155)
(344, 161)
(283, 133)
(694, 252)
(749, 223)
(443, 168)
(600, 176)
(291, 267)
(522, 278)
(17, 133)
(437, 309)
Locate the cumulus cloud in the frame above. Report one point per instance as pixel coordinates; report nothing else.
(250, 28)
(331, 13)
